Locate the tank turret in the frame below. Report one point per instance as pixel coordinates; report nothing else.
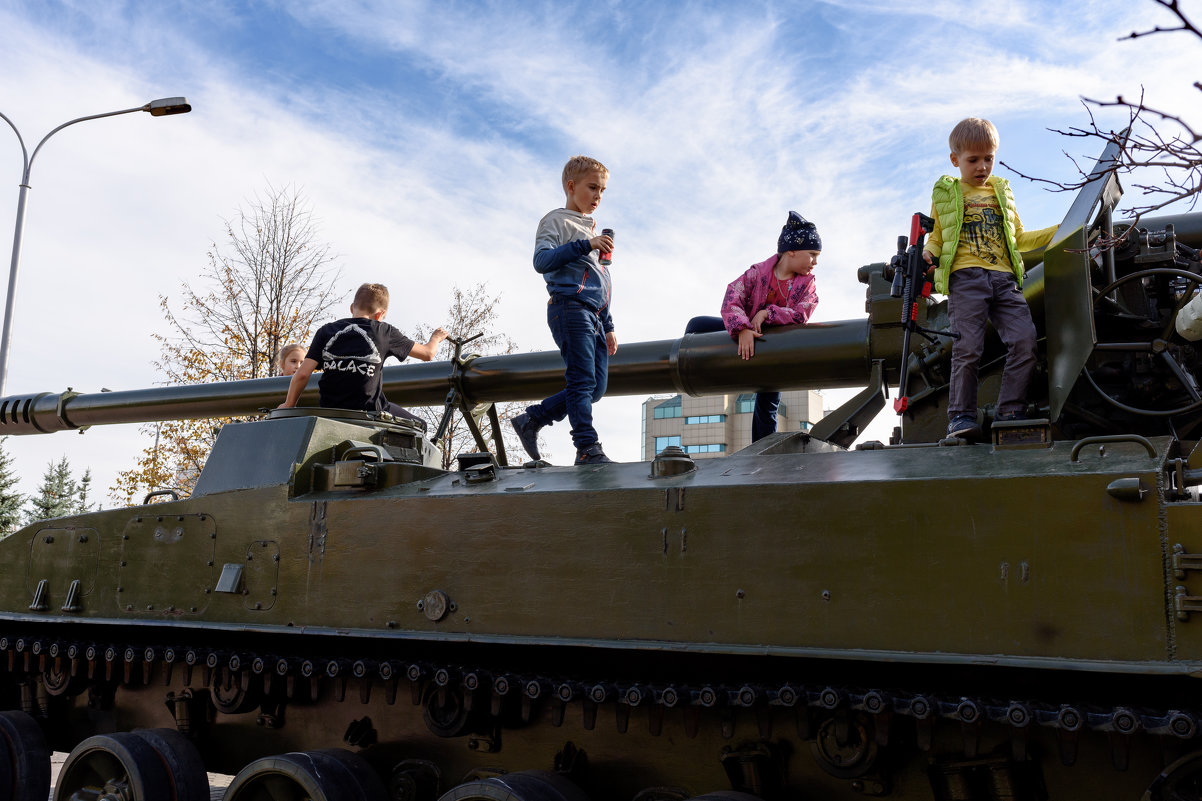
(330, 615)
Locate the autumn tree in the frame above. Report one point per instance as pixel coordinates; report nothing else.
(471, 312)
(266, 285)
(10, 500)
(56, 496)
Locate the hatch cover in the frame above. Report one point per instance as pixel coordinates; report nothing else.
(166, 564)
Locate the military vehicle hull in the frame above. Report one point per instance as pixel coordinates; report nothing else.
(685, 627)
(329, 616)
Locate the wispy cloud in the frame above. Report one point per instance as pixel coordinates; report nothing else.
(430, 135)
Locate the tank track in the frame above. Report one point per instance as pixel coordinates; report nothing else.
(304, 679)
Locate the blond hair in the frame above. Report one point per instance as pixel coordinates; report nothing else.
(283, 353)
(972, 131)
(581, 165)
(371, 298)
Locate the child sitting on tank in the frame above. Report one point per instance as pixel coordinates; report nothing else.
(351, 354)
(289, 359)
(780, 290)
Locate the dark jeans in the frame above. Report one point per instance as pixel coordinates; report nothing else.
(763, 417)
(577, 332)
(977, 295)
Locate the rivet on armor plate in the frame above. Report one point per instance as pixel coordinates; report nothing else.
(435, 605)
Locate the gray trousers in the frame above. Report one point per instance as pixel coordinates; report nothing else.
(977, 295)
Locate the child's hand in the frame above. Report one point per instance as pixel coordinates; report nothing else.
(757, 322)
(439, 335)
(611, 343)
(602, 243)
(930, 260)
(747, 339)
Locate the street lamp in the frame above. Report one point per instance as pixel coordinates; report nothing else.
(157, 108)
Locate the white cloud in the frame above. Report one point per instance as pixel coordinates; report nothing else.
(715, 120)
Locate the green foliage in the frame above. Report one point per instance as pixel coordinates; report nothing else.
(83, 492)
(57, 496)
(10, 500)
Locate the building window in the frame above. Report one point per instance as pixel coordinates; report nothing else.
(806, 425)
(705, 418)
(717, 447)
(745, 404)
(663, 442)
(669, 408)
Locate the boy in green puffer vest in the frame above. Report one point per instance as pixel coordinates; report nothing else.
(977, 245)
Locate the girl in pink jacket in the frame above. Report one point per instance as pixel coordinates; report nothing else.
(777, 291)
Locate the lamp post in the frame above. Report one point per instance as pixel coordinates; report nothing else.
(156, 108)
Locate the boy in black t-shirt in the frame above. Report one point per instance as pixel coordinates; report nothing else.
(351, 354)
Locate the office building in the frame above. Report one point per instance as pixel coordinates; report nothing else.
(716, 425)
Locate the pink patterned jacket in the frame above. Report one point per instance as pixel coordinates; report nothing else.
(748, 294)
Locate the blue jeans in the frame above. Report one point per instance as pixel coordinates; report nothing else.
(763, 417)
(581, 340)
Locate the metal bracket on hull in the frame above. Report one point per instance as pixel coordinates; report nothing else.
(39, 598)
(1183, 561)
(1183, 604)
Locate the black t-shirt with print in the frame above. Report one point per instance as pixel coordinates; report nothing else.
(351, 353)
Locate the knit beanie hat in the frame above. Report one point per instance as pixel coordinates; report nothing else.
(798, 234)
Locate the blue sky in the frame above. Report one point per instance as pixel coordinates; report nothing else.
(429, 137)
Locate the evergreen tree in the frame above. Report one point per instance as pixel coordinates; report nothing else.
(56, 496)
(10, 499)
(82, 491)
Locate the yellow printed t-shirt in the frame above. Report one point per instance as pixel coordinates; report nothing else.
(982, 236)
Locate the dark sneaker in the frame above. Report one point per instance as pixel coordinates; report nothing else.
(964, 428)
(1009, 417)
(527, 433)
(592, 455)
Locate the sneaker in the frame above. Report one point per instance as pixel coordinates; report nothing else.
(964, 427)
(527, 432)
(1009, 417)
(592, 455)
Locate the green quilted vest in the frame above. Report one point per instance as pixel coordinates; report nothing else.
(948, 202)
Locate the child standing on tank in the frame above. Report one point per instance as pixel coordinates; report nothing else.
(351, 353)
(566, 254)
(780, 290)
(976, 254)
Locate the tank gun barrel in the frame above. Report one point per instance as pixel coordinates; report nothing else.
(819, 355)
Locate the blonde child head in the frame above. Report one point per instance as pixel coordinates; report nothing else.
(973, 132)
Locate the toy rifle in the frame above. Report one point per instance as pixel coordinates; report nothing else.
(910, 283)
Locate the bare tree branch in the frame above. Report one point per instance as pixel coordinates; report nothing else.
(472, 311)
(1175, 7)
(266, 286)
(1153, 140)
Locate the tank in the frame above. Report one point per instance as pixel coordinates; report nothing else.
(332, 616)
